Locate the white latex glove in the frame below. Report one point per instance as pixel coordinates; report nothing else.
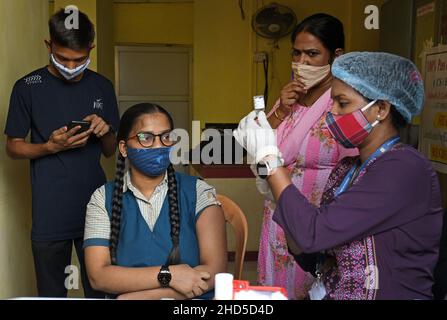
(262, 185)
(264, 189)
(256, 136)
(240, 134)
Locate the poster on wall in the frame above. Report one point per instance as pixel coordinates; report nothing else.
(433, 129)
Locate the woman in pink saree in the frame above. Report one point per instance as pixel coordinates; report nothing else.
(309, 150)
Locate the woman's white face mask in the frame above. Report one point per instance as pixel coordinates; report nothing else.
(310, 76)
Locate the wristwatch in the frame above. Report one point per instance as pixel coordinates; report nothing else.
(266, 166)
(164, 276)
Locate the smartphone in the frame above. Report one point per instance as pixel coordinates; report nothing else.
(85, 125)
(259, 103)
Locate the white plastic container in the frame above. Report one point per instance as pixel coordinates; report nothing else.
(223, 286)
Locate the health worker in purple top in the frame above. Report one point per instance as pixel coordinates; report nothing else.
(377, 232)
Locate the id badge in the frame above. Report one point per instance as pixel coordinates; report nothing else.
(318, 291)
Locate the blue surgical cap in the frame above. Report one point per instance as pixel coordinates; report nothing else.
(383, 76)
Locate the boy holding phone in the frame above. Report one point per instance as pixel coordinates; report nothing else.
(65, 154)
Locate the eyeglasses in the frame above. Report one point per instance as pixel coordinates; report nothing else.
(147, 139)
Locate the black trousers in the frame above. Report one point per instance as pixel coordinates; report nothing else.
(50, 261)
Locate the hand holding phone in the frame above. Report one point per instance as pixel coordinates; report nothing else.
(69, 137)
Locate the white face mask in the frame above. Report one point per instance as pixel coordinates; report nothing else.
(310, 76)
(67, 73)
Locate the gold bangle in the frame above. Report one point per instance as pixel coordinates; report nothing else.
(277, 116)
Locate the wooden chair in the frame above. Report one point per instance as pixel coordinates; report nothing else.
(236, 218)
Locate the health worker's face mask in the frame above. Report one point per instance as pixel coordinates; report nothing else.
(67, 73)
(350, 130)
(310, 76)
(152, 162)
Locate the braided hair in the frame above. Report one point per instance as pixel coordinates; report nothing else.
(127, 122)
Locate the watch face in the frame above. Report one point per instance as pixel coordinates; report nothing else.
(262, 170)
(164, 277)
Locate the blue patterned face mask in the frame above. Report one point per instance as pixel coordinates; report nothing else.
(153, 162)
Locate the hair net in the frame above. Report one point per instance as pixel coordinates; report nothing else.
(383, 76)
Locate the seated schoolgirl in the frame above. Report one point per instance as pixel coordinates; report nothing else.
(153, 233)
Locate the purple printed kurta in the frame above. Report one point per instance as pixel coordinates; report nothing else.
(383, 233)
(317, 156)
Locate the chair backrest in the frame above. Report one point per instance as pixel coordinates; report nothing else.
(236, 218)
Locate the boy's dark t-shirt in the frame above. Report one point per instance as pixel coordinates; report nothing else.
(62, 183)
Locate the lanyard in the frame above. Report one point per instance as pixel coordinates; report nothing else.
(347, 181)
(355, 170)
